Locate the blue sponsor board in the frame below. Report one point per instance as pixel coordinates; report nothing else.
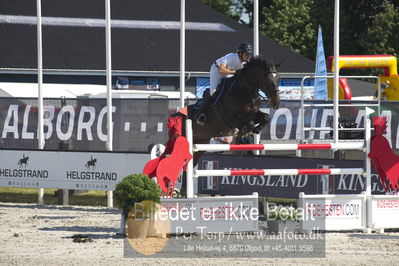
(296, 82)
(201, 85)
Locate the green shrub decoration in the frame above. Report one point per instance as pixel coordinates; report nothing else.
(137, 188)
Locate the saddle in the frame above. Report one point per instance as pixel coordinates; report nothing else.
(215, 97)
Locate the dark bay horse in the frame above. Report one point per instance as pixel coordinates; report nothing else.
(235, 111)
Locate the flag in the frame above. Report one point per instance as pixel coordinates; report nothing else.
(320, 86)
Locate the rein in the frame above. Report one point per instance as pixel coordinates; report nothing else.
(245, 92)
(249, 85)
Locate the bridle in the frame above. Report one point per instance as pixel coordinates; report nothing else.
(272, 71)
(245, 92)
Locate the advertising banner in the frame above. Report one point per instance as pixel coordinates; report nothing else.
(212, 214)
(333, 213)
(385, 211)
(138, 124)
(81, 124)
(67, 170)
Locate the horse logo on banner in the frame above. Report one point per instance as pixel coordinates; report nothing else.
(91, 164)
(23, 162)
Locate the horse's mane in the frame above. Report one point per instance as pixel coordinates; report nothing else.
(256, 61)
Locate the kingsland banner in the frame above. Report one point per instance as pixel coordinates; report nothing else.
(80, 124)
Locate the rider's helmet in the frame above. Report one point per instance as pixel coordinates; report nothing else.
(245, 47)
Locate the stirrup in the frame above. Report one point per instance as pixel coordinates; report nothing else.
(201, 119)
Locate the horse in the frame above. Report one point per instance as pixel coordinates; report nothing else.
(234, 110)
(235, 106)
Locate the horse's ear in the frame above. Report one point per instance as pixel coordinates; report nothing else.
(273, 66)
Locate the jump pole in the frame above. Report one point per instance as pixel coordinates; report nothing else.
(266, 172)
(280, 147)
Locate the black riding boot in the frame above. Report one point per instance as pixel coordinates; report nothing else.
(201, 117)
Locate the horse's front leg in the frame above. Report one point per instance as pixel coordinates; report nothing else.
(261, 119)
(243, 131)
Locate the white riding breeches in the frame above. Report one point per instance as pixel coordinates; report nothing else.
(215, 78)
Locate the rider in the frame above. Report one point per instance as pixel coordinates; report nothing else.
(222, 68)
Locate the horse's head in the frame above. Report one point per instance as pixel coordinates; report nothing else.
(264, 76)
(270, 87)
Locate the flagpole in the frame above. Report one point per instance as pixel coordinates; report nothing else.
(41, 141)
(256, 27)
(256, 52)
(336, 70)
(182, 50)
(109, 87)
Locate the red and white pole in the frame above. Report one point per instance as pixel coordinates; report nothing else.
(274, 172)
(279, 147)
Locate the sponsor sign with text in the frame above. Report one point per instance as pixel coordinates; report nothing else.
(67, 170)
(80, 124)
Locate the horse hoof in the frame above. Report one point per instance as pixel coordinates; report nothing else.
(200, 123)
(257, 130)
